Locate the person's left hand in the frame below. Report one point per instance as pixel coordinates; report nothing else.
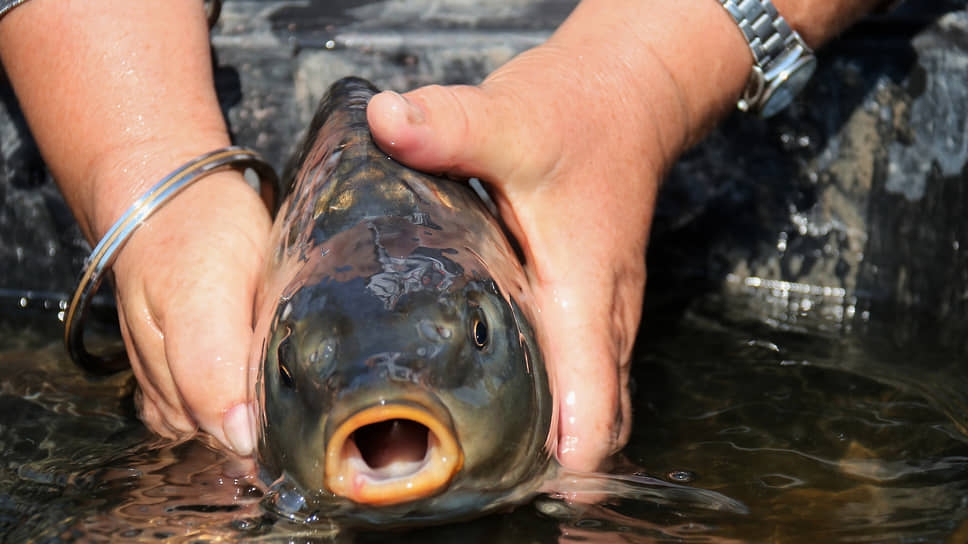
(136, 99)
(185, 286)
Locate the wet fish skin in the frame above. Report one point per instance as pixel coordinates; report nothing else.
(393, 302)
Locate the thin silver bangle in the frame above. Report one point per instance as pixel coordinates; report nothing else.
(108, 248)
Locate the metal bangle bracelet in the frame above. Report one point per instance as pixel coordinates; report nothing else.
(108, 248)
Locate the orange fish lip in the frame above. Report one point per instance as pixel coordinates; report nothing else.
(348, 474)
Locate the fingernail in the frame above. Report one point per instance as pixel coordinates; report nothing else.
(238, 429)
(413, 114)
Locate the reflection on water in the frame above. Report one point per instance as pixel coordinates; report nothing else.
(822, 437)
(817, 453)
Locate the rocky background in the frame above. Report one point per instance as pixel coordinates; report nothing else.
(843, 213)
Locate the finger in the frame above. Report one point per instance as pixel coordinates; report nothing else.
(586, 383)
(589, 315)
(157, 400)
(195, 264)
(154, 417)
(208, 336)
(461, 130)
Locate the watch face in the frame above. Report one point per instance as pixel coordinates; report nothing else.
(787, 86)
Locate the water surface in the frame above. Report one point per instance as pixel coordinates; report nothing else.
(823, 436)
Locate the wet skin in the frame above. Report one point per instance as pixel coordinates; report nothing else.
(397, 374)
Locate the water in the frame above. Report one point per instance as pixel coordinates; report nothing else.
(823, 436)
(816, 452)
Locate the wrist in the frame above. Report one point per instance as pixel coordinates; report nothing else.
(688, 62)
(116, 179)
(217, 211)
(684, 63)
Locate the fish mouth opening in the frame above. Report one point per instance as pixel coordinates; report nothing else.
(391, 453)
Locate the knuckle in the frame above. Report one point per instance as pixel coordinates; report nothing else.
(454, 110)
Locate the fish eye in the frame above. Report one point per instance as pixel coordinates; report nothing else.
(479, 331)
(282, 357)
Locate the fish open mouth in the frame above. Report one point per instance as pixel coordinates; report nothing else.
(391, 453)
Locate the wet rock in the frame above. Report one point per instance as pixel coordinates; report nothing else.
(842, 211)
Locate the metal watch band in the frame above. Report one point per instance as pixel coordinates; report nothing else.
(782, 61)
(766, 32)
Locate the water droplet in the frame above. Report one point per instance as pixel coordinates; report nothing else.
(313, 517)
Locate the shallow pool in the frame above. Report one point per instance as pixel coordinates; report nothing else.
(823, 436)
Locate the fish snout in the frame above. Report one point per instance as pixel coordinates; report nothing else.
(391, 453)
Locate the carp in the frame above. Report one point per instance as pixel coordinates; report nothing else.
(396, 368)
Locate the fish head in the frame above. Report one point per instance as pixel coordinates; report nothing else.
(400, 375)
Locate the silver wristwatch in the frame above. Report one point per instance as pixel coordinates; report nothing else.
(782, 61)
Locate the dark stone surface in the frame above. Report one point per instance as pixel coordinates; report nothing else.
(842, 212)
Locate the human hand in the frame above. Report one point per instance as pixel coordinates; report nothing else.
(573, 137)
(142, 102)
(574, 169)
(185, 285)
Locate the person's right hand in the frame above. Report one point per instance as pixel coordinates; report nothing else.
(574, 136)
(573, 152)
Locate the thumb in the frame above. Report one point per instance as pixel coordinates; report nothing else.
(462, 130)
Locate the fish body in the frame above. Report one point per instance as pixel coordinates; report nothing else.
(397, 373)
